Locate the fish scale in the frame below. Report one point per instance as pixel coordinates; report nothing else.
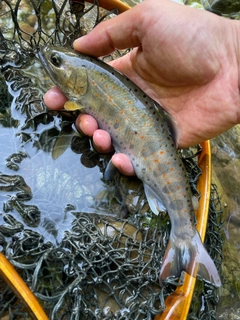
(141, 129)
(147, 155)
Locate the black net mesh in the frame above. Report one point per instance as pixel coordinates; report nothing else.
(86, 248)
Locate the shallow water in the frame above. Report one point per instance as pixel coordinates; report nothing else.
(50, 159)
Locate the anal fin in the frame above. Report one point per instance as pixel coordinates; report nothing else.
(155, 203)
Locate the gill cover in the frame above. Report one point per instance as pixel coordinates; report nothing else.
(73, 80)
(66, 70)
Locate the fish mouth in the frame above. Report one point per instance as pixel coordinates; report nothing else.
(41, 55)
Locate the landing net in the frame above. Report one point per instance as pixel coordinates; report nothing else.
(84, 254)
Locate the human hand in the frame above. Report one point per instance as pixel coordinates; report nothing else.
(185, 59)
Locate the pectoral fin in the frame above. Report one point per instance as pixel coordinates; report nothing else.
(72, 105)
(110, 171)
(155, 203)
(62, 142)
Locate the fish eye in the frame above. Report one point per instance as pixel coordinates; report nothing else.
(56, 59)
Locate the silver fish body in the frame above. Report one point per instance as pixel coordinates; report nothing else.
(139, 127)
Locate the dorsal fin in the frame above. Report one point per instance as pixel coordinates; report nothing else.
(171, 122)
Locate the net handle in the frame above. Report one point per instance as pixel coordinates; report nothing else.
(112, 4)
(19, 287)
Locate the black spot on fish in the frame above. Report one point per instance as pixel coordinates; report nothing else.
(112, 73)
(131, 146)
(145, 153)
(172, 205)
(136, 90)
(116, 125)
(165, 189)
(175, 204)
(144, 96)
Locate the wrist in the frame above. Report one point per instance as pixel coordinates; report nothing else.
(236, 42)
(232, 65)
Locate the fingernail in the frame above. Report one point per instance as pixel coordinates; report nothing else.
(77, 41)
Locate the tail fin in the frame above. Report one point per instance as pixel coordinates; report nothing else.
(190, 256)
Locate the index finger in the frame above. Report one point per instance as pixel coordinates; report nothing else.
(54, 99)
(121, 32)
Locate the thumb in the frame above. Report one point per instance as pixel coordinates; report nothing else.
(121, 32)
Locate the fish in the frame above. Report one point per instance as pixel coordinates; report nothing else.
(140, 128)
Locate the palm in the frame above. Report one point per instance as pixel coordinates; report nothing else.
(189, 73)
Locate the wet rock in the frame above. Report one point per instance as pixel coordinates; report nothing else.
(231, 314)
(221, 193)
(126, 230)
(108, 304)
(228, 142)
(230, 291)
(222, 157)
(132, 193)
(123, 233)
(224, 6)
(226, 153)
(230, 178)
